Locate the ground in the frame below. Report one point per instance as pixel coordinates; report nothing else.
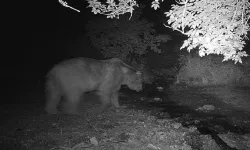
(142, 123)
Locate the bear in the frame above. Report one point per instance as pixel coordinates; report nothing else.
(71, 79)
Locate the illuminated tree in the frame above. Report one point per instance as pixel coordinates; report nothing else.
(215, 26)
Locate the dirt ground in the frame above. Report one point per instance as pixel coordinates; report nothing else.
(136, 125)
(232, 102)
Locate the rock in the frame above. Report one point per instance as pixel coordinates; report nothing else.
(236, 141)
(206, 108)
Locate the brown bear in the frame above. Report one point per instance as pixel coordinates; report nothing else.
(72, 78)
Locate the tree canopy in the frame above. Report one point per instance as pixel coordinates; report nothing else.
(127, 40)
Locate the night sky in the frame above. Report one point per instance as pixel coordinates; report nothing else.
(42, 33)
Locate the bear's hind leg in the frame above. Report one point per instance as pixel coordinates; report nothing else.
(53, 97)
(105, 99)
(72, 101)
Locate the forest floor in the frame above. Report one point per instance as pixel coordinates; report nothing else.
(179, 121)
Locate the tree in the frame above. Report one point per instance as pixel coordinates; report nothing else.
(127, 40)
(112, 10)
(214, 26)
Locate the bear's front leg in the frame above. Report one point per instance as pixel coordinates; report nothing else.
(115, 100)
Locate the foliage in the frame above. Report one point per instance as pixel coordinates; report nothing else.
(208, 71)
(215, 26)
(112, 10)
(127, 40)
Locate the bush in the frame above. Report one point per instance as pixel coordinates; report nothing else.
(197, 71)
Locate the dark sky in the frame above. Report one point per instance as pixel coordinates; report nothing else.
(37, 34)
(41, 31)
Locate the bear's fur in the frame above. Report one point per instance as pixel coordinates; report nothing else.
(72, 78)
